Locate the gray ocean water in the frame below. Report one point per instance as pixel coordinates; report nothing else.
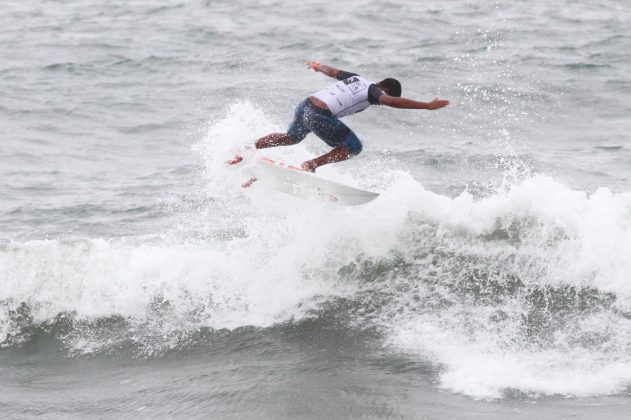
(491, 278)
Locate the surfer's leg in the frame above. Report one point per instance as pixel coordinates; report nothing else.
(337, 135)
(296, 132)
(273, 140)
(336, 155)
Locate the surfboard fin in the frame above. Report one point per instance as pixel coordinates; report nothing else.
(248, 183)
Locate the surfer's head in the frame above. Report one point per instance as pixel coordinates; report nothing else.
(391, 86)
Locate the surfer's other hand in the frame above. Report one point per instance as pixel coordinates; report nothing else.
(438, 103)
(312, 65)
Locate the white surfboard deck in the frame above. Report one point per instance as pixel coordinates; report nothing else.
(294, 180)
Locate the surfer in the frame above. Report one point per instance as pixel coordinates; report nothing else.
(320, 113)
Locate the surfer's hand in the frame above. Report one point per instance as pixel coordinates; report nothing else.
(438, 103)
(312, 65)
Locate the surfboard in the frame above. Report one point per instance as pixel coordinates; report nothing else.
(296, 181)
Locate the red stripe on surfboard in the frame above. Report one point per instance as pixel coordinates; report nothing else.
(279, 163)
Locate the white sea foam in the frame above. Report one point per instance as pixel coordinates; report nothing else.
(565, 238)
(486, 364)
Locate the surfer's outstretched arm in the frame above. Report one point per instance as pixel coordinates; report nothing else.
(405, 103)
(329, 71)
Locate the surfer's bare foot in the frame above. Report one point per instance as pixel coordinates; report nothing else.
(309, 166)
(235, 160)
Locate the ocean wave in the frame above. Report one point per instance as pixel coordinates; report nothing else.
(524, 290)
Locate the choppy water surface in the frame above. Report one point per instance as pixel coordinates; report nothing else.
(491, 278)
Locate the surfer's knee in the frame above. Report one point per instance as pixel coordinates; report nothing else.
(296, 136)
(353, 144)
(297, 131)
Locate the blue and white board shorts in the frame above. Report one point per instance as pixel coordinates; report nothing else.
(309, 118)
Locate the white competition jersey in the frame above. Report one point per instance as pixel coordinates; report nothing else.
(346, 97)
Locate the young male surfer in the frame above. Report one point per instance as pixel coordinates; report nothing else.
(320, 113)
